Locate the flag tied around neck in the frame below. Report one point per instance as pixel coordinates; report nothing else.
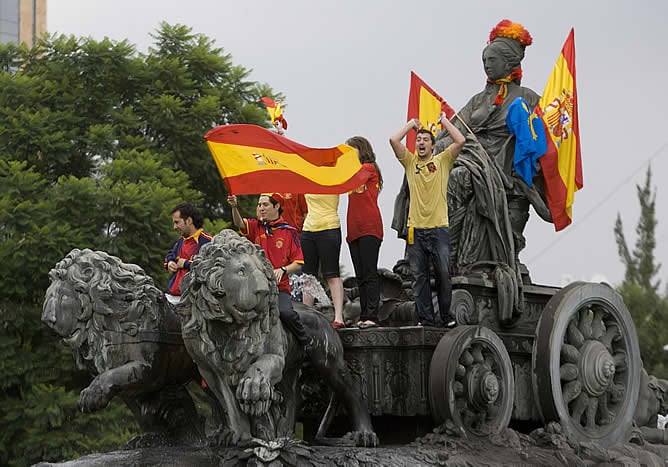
(252, 160)
(425, 105)
(561, 164)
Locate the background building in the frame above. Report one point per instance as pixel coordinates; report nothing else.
(22, 20)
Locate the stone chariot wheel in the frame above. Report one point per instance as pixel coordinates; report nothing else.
(586, 363)
(471, 381)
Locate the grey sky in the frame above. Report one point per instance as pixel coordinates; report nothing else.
(344, 67)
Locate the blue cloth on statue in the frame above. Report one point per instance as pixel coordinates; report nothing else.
(530, 142)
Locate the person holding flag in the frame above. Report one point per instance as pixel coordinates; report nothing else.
(428, 234)
(280, 242)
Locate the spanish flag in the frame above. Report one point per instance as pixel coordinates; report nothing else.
(275, 111)
(426, 105)
(252, 160)
(562, 163)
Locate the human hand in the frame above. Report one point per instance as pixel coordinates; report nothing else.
(417, 124)
(172, 266)
(442, 118)
(232, 201)
(180, 263)
(278, 274)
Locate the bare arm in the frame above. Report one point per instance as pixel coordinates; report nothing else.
(395, 140)
(458, 139)
(236, 215)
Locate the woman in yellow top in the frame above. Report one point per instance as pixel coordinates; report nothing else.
(321, 245)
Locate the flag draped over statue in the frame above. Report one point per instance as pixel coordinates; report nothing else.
(561, 164)
(425, 105)
(252, 160)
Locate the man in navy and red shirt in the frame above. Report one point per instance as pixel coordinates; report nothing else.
(280, 242)
(188, 222)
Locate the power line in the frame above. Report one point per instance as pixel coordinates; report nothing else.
(605, 199)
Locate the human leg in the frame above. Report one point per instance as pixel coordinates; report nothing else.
(418, 260)
(290, 318)
(311, 262)
(440, 257)
(329, 249)
(368, 279)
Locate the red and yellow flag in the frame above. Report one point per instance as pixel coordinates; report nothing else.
(275, 111)
(426, 105)
(562, 163)
(252, 160)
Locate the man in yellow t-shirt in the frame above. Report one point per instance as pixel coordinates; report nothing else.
(428, 235)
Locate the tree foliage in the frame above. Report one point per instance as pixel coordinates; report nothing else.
(98, 144)
(640, 288)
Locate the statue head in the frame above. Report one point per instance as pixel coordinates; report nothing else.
(505, 50)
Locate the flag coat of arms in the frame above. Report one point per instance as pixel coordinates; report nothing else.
(426, 105)
(252, 160)
(562, 163)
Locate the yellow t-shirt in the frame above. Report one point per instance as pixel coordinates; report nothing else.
(428, 185)
(322, 213)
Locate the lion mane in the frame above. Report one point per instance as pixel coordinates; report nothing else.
(115, 298)
(235, 343)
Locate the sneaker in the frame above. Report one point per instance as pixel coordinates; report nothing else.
(425, 324)
(338, 324)
(450, 324)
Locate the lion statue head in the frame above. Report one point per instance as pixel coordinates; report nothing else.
(230, 300)
(92, 292)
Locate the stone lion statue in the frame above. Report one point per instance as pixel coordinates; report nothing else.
(231, 327)
(121, 329)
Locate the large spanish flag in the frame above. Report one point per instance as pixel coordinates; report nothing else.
(252, 160)
(426, 105)
(562, 163)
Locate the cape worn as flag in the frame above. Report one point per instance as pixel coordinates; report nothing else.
(254, 160)
(562, 163)
(425, 105)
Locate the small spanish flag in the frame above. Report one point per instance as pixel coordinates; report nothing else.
(562, 163)
(252, 160)
(425, 105)
(275, 112)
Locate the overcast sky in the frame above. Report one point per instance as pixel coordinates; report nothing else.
(344, 67)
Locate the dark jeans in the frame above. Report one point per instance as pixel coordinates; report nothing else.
(290, 318)
(364, 253)
(431, 246)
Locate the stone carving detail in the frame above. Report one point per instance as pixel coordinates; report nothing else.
(231, 329)
(121, 329)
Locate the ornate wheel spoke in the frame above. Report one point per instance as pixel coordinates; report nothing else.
(573, 335)
(476, 352)
(568, 372)
(597, 325)
(571, 391)
(569, 354)
(611, 333)
(460, 372)
(579, 406)
(466, 358)
(584, 326)
(620, 362)
(592, 407)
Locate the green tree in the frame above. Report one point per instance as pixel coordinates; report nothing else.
(98, 144)
(640, 289)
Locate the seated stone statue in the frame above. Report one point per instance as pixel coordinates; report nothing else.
(488, 203)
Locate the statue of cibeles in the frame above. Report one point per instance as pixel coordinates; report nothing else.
(231, 328)
(488, 203)
(121, 329)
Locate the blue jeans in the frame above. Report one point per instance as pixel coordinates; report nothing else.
(431, 247)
